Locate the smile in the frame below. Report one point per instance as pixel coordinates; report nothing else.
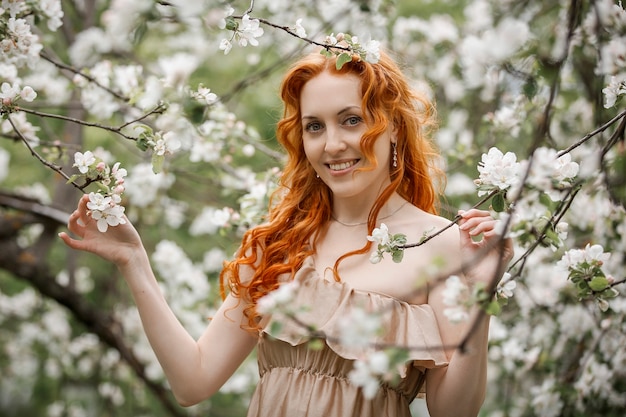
(343, 165)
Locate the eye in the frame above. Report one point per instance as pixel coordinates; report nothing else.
(313, 127)
(353, 120)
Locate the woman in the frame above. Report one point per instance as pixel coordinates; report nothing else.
(358, 156)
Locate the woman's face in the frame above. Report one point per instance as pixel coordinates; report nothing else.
(332, 127)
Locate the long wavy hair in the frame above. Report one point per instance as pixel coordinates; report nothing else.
(301, 206)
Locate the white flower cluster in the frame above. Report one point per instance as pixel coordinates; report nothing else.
(143, 186)
(94, 96)
(244, 33)
(612, 17)
(204, 95)
(105, 205)
(19, 45)
(359, 327)
(549, 172)
(616, 88)
(455, 296)
(367, 373)
(505, 287)
(386, 242)
(184, 284)
(497, 171)
(10, 93)
(490, 47)
(279, 300)
(210, 220)
(573, 258)
(585, 269)
(368, 51)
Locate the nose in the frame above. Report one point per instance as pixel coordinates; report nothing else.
(334, 141)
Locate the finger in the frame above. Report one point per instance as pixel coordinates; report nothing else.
(72, 243)
(466, 239)
(471, 223)
(485, 227)
(473, 213)
(75, 224)
(83, 210)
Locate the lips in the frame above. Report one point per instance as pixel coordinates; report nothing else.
(341, 166)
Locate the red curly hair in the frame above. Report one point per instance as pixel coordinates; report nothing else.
(303, 203)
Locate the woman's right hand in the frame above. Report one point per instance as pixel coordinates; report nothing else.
(119, 244)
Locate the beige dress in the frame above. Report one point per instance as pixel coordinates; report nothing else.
(297, 381)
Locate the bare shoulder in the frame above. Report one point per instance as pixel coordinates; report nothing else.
(443, 245)
(419, 224)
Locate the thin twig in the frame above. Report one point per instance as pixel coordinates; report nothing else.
(158, 109)
(85, 76)
(449, 225)
(41, 159)
(593, 133)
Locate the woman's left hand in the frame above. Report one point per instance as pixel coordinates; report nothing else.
(485, 259)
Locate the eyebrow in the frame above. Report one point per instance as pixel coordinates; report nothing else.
(339, 113)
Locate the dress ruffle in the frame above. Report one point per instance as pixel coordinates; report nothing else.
(321, 304)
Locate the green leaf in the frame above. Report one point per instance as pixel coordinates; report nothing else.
(397, 255)
(342, 59)
(231, 23)
(315, 344)
(530, 88)
(326, 53)
(73, 178)
(598, 283)
(142, 143)
(493, 308)
(157, 163)
(140, 32)
(275, 327)
(497, 202)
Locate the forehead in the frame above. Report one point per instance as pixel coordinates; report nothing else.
(328, 92)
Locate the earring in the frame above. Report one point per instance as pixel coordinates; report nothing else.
(317, 175)
(395, 154)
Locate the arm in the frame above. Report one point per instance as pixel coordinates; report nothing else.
(194, 369)
(459, 388)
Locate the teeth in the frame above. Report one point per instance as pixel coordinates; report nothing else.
(341, 166)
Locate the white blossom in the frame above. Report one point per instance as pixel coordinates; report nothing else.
(506, 286)
(165, 144)
(546, 399)
(248, 31)
(299, 30)
(204, 95)
(497, 170)
(277, 301)
(83, 161)
(226, 46)
(367, 373)
(53, 11)
(372, 51)
(380, 235)
(20, 46)
(8, 92)
(574, 257)
(105, 212)
(455, 294)
(28, 94)
(616, 88)
(359, 327)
